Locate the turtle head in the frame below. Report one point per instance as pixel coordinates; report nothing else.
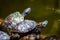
(44, 23)
(26, 11)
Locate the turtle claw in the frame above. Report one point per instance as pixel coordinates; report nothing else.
(44, 23)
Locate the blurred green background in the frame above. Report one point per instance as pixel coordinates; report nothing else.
(40, 12)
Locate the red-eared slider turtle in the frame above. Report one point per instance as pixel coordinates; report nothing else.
(28, 25)
(4, 36)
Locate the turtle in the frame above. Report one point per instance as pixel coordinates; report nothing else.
(4, 36)
(28, 25)
(14, 18)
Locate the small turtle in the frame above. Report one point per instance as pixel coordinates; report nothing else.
(4, 36)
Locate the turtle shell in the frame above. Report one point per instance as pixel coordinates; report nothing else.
(13, 19)
(26, 26)
(4, 36)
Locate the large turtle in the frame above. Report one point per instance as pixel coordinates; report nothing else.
(4, 36)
